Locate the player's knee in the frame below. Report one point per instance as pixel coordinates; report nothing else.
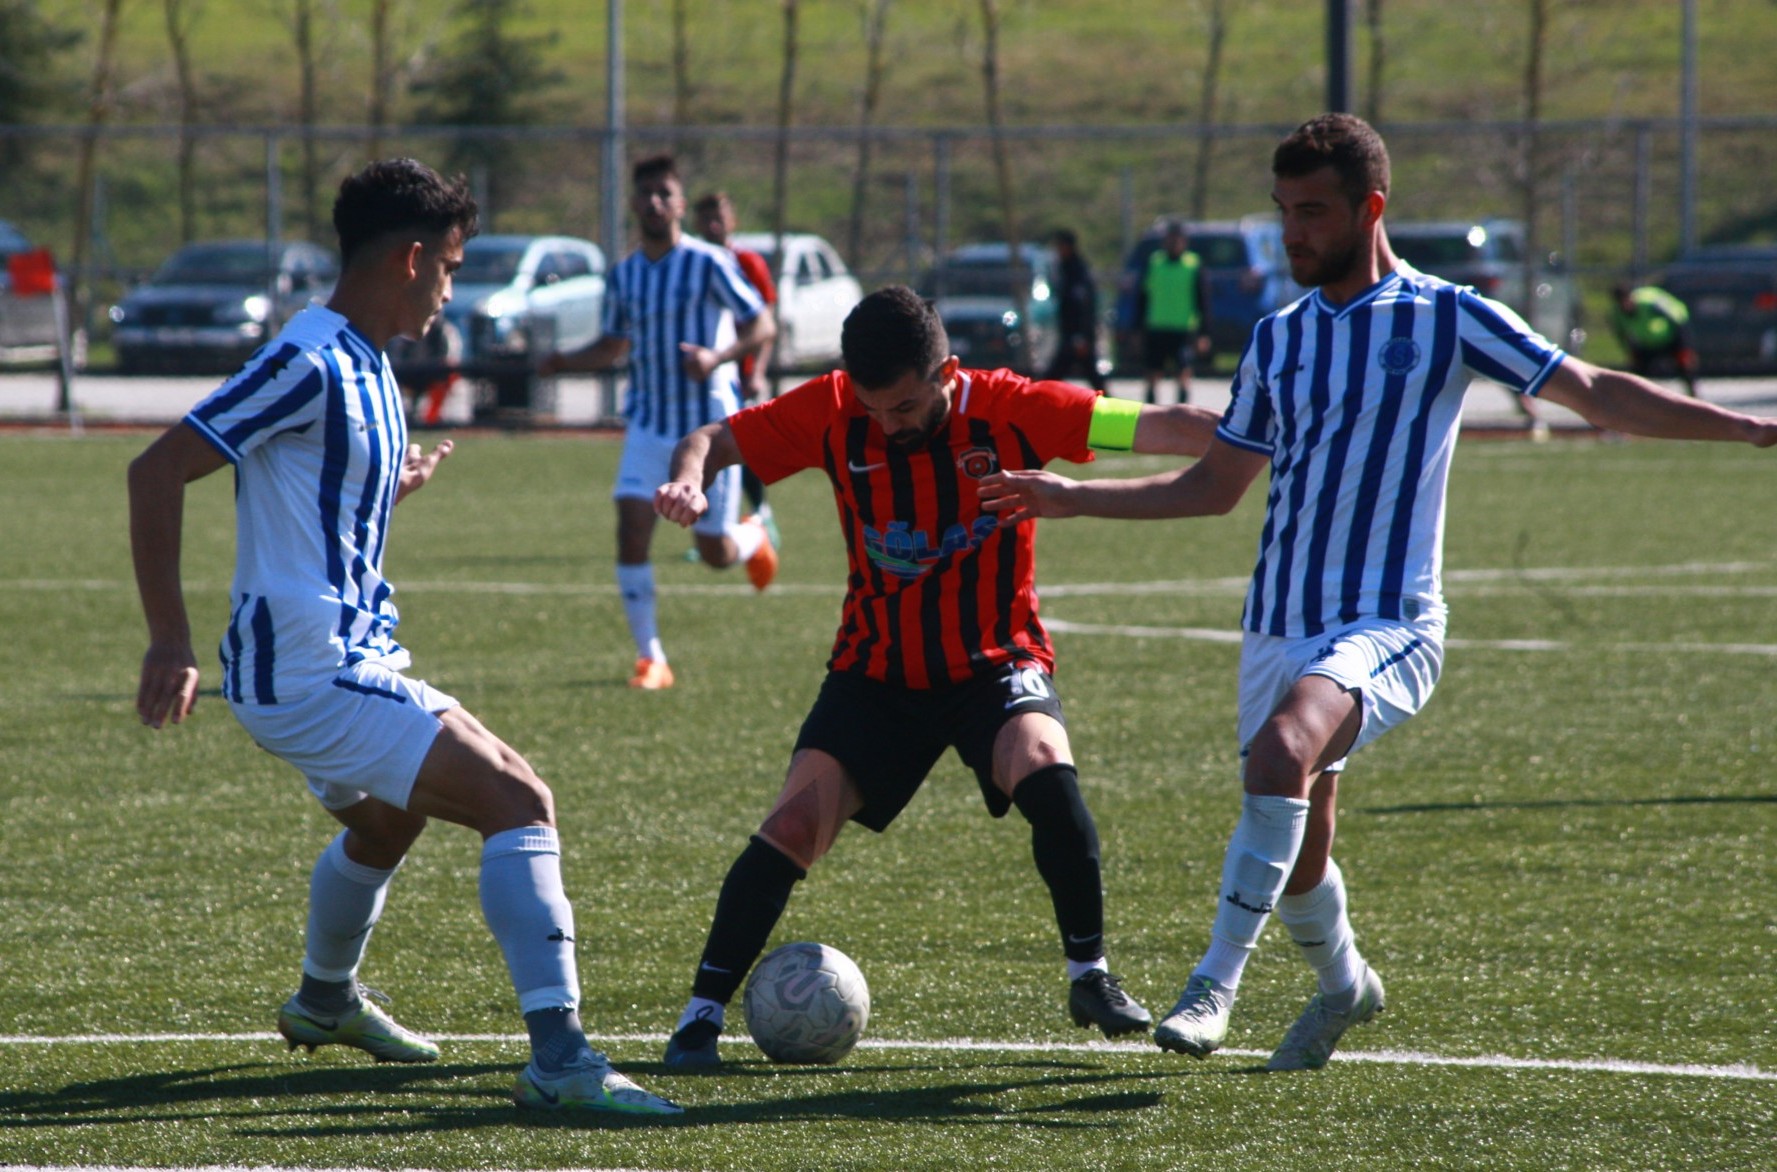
(796, 833)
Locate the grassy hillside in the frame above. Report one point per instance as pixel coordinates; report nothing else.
(1127, 71)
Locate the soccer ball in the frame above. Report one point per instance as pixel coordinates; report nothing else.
(806, 1003)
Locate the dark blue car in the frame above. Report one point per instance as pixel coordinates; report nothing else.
(1247, 272)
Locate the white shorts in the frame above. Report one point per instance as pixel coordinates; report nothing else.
(1393, 666)
(364, 736)
(647, 463)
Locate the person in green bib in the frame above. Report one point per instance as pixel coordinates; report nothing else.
(1654, 326)
(1175, 312)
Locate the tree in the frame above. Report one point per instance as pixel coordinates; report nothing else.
(29, 46)
(786, 92)
(875, 17)
(1378, 62)
(488, 77)
(382, 74)
(1534, 83)
(180, 16)
(1002, 166)
(1206, 108)
(98, 110)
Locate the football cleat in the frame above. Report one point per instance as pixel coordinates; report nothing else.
(1199, 1022)
(1312, 1040)
(365, 1028)
(588, 1084)
(769, 520)
(694, 1047)
(1098, 999)
(762, 566)
(652, 675)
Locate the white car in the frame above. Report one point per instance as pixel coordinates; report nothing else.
(815, 291)
(513, 289)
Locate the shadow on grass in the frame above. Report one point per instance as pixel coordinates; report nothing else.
(1570, 803)
(348, 1102)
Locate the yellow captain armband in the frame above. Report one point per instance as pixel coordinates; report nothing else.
(1113, 424)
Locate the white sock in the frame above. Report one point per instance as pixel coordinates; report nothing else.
(1260, 856)
(702, 1009)
(524, 905)
(747, 536)
(636, 585)
(1079, 968)
(1318, 922)
(345, 901)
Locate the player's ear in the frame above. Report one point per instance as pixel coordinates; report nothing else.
(949, 369)
(1372, 208)
(407, 255)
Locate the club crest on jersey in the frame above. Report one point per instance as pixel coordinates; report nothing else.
(1398, 355)
(978, 462)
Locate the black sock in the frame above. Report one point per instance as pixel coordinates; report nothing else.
(753, 898)
(1064, 841)
(556, 1037)
(753, 487)
(328, 996)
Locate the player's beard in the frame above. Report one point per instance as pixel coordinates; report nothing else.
(1327, 268)
(911, 438)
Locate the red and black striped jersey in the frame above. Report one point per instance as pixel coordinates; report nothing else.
(937, 592)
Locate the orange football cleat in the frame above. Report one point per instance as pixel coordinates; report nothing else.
(652, 675)
(762, 566)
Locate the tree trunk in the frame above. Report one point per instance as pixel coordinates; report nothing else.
(681, 23)
(786, 91)
(1378, 61)
(875, 14)
(307, 116)
(1206, 108)
(1533, 108)
(98, 109)
(1002, 166)
(179, 20)
(382, 81)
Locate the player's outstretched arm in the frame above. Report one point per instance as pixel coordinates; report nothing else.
(1174, 430)
(1210, 487)
(417, 467)
(1620, 401)
(696, 460)
(606, 353)
(167, 688)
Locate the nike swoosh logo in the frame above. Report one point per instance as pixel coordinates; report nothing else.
(328, 1026)
(548, 1096)
(1023, 700)
(1072, 939)
(865, 467)
(710, 968)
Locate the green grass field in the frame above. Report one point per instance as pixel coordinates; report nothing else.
(1563, 868)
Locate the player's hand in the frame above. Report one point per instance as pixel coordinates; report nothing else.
(1025, 494)
(758, 388)
(418, 466)
(168, 688)
(680, 502)
(699, 361)
(1762, 433)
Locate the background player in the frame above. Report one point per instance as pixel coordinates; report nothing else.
(682, 376)
(716, 222)
(939, 644)
(1352, 398)
(315, 429)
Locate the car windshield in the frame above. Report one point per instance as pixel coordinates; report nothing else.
(970, 279)
(217, 264)
(12, 240)
(490, 264)
(1430, 253)
(1219, 250)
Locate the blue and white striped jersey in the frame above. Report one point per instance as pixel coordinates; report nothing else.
(695, 293)
(315, 429)
(1358, 406)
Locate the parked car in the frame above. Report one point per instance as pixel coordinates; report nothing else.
(1731, 291)
(1489, 255)
(971, 288)
(213, 303)
(516, 295)
(27, 321)
(815, 292)
(1246, 270)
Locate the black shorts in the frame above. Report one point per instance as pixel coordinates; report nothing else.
(888, 738)
(1164, 350)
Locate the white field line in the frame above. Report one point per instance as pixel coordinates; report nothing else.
(1740, 1071)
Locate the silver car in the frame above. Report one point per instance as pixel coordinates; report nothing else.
(1489, 255)
(28, 323)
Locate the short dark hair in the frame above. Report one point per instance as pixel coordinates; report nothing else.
(890, 333)
(400, 195)
(654, 167)
(1065, 237)
(1344, 142)
(711, 201)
